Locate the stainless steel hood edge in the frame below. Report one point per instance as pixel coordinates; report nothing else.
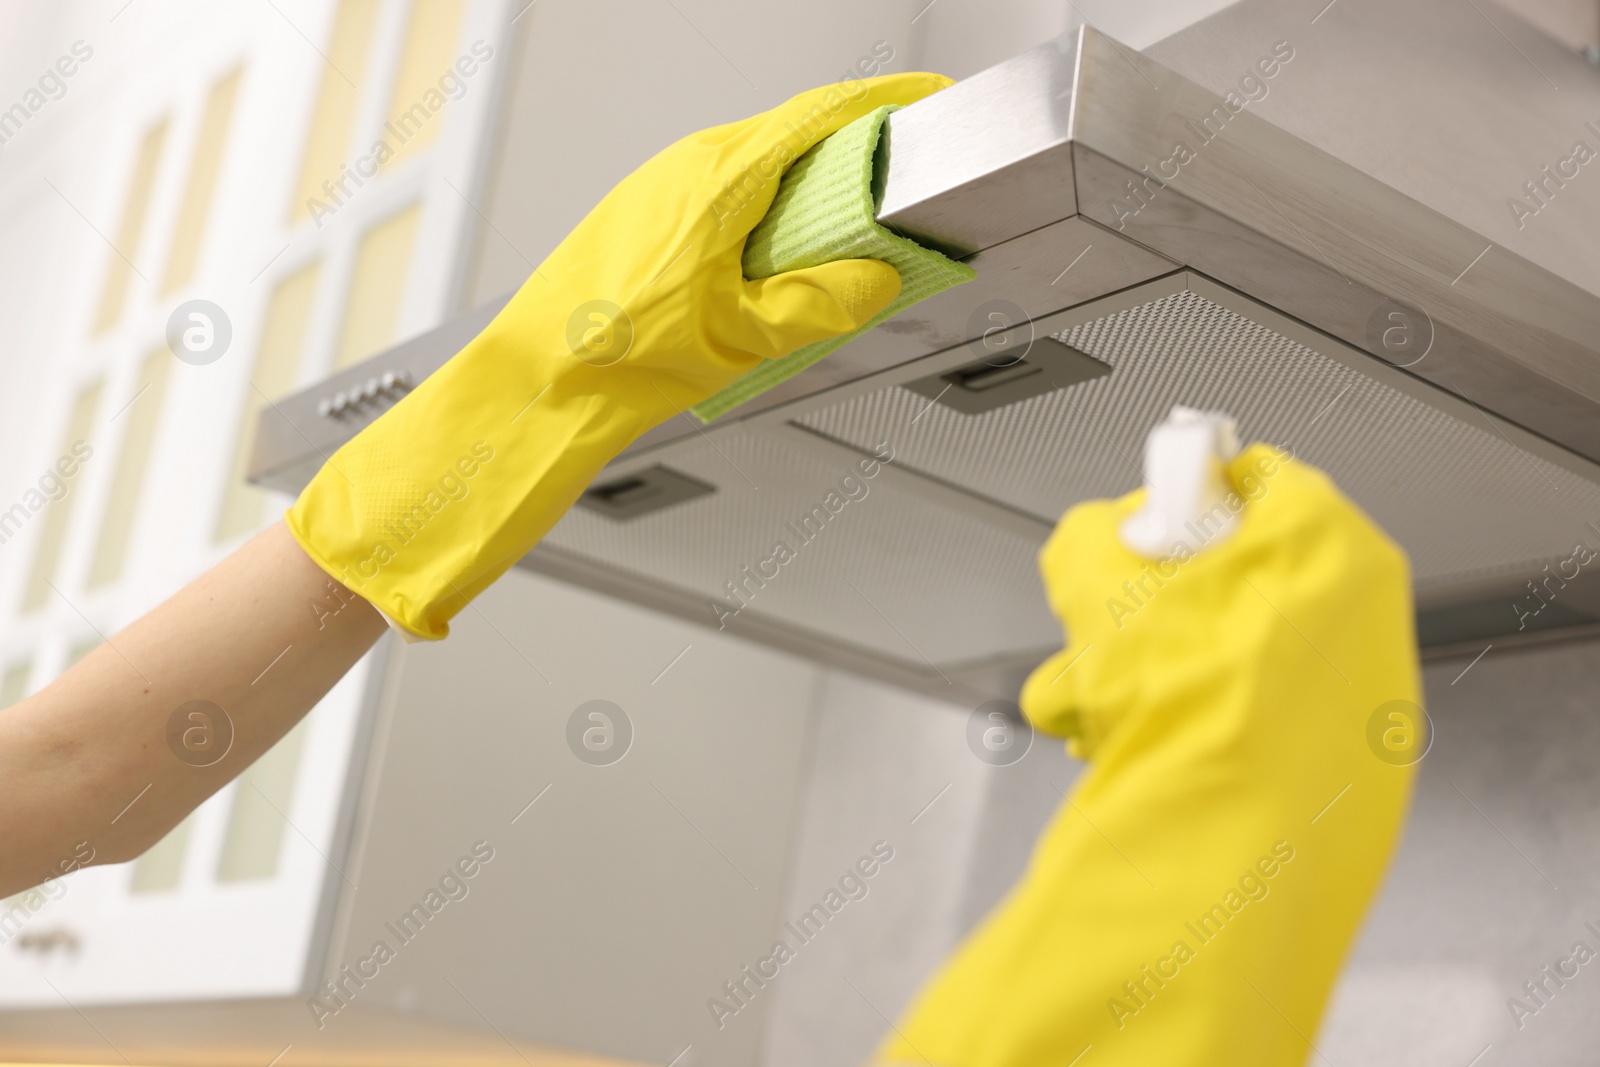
(1295, 228)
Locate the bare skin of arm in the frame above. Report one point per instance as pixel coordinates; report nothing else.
(86, 764)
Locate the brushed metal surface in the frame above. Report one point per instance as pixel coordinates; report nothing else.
(1449, 108)
(953, 182)
(1315, 237)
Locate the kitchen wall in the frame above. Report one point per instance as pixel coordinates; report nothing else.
(1498, 875)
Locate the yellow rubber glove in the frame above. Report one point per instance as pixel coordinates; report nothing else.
(1191, 902)
(641, 312)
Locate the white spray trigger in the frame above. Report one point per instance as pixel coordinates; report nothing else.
(1183, 473)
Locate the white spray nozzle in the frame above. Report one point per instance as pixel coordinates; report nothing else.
(1183, 472)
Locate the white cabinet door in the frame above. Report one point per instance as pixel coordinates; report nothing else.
(226, 906)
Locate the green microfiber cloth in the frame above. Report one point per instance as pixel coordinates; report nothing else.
(826, 209)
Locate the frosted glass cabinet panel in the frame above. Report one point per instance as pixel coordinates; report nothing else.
(226, 905)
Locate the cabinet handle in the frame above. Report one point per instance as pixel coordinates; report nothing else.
(46, 942)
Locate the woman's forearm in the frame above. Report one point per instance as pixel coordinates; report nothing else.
(119, 749)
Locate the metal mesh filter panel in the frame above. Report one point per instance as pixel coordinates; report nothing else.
(882, 573)
(1461, 498)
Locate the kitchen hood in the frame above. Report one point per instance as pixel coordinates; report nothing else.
(1315, 234)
